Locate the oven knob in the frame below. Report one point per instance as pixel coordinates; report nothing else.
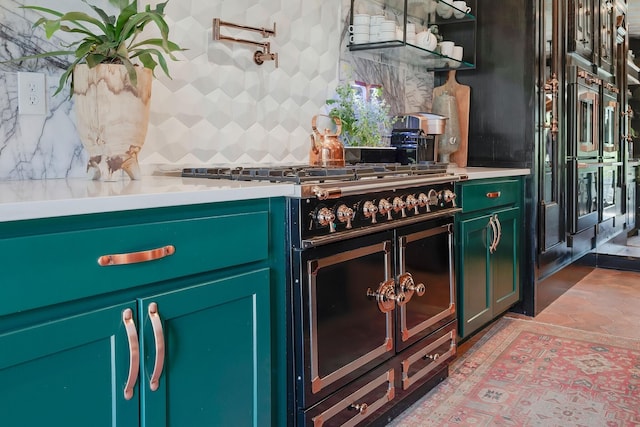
(423, 200)
(399, 206)
(345, 214)
(325, 217)
(448, 196)
(369, 210)
(386, 296)
(412, 203)
(384, 207)
(408, 286)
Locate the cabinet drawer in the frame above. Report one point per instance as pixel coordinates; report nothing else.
(487, 195)
(46, 269)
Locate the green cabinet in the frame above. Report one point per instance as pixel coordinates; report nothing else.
(68, 371)
(487, 250)
(183, 339)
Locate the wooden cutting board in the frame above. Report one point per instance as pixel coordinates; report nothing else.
(462, 93)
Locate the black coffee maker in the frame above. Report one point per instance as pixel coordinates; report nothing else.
(414, 136)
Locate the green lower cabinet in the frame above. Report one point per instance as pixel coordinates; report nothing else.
(488, 260)
(208, 346)
(217, 365)
(68, 372)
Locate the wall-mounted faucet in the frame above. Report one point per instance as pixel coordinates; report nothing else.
(260, 56)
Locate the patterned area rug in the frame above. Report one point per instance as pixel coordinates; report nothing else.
(525, 373)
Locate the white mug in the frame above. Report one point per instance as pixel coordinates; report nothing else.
(461, 9)
(387, 25)
(358, 29)
(444, 9)
(456, 57)
(446, 48)
(359, 38)
(361, 19)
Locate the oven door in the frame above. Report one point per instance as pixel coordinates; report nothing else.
(584, 178)
(583, 115)
(424, 274)
(344, 311)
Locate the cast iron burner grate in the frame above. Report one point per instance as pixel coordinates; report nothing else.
(302, 174)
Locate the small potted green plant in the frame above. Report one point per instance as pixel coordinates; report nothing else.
(111, 73)
(365, 120)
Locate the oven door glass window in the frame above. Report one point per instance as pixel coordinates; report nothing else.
(587, 124)
(587, 191)
(609, 192)
(348, 299)
(610, 126)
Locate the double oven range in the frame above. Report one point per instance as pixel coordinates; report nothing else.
(371, 288)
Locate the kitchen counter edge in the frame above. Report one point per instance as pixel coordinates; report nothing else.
(36, 199)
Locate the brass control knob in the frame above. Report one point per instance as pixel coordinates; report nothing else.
(423, 200)
(399, 206)
(370, 210)
(384, 207)
(386, 296)
(408, 285)
(361, 408)
(345, 214)
(412, 203)
(325, 217)
(448, 196)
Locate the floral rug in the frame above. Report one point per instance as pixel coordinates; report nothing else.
(525, 373)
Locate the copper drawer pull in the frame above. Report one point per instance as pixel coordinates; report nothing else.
(158, 335)
(493, 195)
(134, 353)
(136, 257)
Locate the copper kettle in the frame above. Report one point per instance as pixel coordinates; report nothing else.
(326, 148)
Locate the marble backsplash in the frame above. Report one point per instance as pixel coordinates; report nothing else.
(219, 107)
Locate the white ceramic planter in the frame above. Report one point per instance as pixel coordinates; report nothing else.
(112, 118)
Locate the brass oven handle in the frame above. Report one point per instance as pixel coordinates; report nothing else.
(360, 407)
(134, 353)
(158, 335)
(136, 257)
(494, 194)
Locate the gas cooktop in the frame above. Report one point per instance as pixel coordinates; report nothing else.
(300, 174)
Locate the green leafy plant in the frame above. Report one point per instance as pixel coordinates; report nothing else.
(108, 39)
(364, 121)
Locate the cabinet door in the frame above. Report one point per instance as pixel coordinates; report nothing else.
(216, 367)
(475, 298)
(68, 372)
(505, 261)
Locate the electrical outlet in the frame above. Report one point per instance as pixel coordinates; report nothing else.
(31, 93)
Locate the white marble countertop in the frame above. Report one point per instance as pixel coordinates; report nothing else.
(22, 200)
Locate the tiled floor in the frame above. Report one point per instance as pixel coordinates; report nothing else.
(605, 301)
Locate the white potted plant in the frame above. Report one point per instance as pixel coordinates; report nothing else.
(111, 76)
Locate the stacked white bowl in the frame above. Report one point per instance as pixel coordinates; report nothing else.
(360, 28)
(387, 30)
(374, 27)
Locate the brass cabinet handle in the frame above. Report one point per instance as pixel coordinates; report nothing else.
(158, 335)
(499, 234)
(134, 353)
(494, 234)
(136, 257)
(494, 194)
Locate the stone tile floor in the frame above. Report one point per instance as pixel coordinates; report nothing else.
(605, 301)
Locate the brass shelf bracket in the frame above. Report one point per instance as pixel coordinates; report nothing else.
(260, 56)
